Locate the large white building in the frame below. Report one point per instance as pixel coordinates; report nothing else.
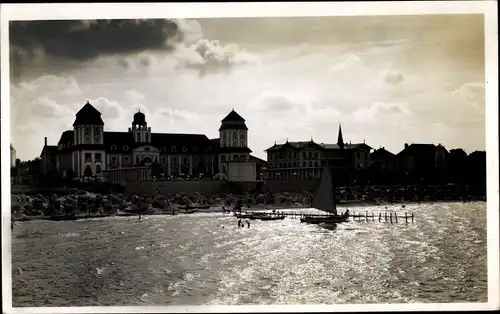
(88, 150)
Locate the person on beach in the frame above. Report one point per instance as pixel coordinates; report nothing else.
(248, 223)
(239, 223)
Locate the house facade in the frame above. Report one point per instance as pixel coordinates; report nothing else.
(304, 160)
(88, 150)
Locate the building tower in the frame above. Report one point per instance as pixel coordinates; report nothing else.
(140, 129)
(233, 138)
(340, 138)
(88, 139)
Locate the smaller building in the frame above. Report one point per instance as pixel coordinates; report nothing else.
(422, 158)
(48, 158)
(241, 170)
(382, 159)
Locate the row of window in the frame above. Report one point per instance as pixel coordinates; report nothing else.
(362, 155)
(295, 164)
(293, 155)
(223, 157)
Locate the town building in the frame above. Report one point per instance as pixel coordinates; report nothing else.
(382, 159)
(304, 160)
(422, 158)
(48, 158)
(89, 151)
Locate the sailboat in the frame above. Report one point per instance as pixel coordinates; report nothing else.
(325, 200)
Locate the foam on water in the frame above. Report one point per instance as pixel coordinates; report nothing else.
(191, 259)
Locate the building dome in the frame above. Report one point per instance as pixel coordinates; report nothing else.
(139, 118)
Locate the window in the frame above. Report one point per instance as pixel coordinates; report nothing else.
(125, 148)
(87, 139)
(126, 160)
(88, 157)
(174, 149)
(87, 131)
(304, 154)
(315, 154)
(97, 139)
(174, 160)
(98, 169)
(223, 158)
(185, 161)
(113, 148)
(163, 160)
(184, 149)
(309, 154)
(242, 143)
(98, 157)
(114, 160)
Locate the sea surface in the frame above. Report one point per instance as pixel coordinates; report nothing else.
(205, 258)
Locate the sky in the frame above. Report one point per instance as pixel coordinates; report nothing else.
(389, 80)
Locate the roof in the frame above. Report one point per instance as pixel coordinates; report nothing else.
(88, 115)
(257, 159)
(66, 137)
(357, 145)
(51, 150)
(381, 154)
(233, 116)
(233, 126)
(418, 149)
(294, 145)
(124, 142)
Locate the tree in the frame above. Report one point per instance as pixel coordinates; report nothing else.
(456, 164)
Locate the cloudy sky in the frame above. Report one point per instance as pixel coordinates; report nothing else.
(387, 79)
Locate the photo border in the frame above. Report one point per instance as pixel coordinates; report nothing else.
(57, 11)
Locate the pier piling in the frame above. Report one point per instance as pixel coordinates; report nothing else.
(411, 217)
(396, 216)
(385, 215)
(379, 217)
(390, 215)
(406, 217)
(366, 216)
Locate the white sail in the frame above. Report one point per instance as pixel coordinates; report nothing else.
(325, 196)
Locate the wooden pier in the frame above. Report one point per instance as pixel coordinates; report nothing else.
(391, 217)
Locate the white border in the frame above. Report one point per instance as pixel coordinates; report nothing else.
(192, 10)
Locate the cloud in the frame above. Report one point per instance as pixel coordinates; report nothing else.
(284, 86)
(48, 108)
(135, 96)
(83, 40)
(176, 114)
(393, 77)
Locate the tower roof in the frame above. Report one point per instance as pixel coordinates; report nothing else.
(88, 115)
(340, 139)
(233, 116)
(139, 118)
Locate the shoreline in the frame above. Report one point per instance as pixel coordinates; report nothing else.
(218, 209)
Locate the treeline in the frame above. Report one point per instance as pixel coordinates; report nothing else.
(461, 168)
